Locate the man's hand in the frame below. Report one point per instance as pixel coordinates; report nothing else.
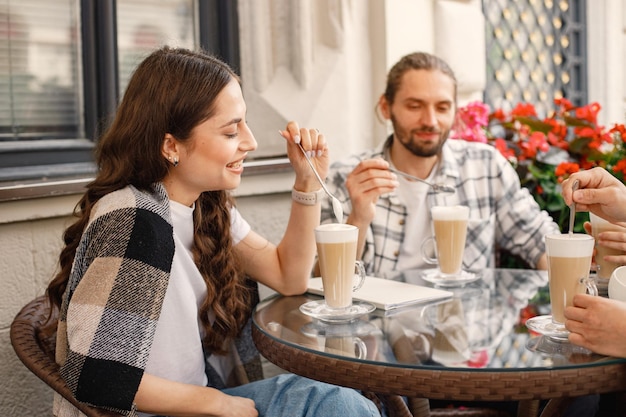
(366, 183)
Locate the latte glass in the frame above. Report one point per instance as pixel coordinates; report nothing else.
(569, 261)
(604, 269)
(336, 250)
(450, 232)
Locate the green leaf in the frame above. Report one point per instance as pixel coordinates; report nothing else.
(541, 171)
(535, 125)
(572, 121)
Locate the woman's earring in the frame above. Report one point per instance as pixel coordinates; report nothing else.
(175, 161)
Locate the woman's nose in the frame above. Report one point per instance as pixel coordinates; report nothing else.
(248, 142)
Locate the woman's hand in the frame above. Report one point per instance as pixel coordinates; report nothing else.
(164, 397)
(599, 192)
(598, 324)
(314, 144)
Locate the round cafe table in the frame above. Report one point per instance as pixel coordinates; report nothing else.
(470, 347)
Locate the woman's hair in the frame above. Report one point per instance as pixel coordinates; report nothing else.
(415, 61)
(171, 91)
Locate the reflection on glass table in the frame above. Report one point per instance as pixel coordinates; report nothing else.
(472, 340)
(476, 328)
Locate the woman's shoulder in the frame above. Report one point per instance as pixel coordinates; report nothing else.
(132, 220)
(131, 198)
(129, 209)
(116, 200)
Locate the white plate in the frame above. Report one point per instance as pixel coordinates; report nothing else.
(435, 277)
(318, 310)
(387, 294)
(354, 328)
(553, 346)
(544, 326)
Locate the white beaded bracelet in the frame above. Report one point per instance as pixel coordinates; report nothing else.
(307, 199)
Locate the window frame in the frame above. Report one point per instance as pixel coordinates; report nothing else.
(59, 167)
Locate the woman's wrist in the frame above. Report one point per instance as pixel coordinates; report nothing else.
(307, 198)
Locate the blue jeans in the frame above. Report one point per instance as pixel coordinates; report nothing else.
(295, 396)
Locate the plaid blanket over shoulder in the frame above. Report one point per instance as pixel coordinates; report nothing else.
(114, 296)
(113, 301)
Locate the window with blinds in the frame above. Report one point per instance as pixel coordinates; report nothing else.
(63, 67)
(39, 70)
(144, 25)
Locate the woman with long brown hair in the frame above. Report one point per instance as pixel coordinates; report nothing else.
(152, 287)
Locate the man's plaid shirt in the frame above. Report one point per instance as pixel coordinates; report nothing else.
(501, 211)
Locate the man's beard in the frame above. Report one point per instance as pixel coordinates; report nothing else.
(414, 147)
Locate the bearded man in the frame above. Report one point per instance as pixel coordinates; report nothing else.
(393, 213)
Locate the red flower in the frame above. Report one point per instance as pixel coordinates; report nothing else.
(501, 145)
(619, 129)
(589, 113)
(564, 104)
(585, 163)
(558, 141)
(620, 167)
(524, 110)
(499, 115)
(548, 149)
(470, 122)
(536, 142)
(557, 128)
(566, 168)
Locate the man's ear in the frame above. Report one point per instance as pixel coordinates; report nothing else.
(383, 105)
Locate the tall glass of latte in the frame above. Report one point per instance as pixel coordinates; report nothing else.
(604, 269)
(336, 251)
(569, 261)
(450, 231)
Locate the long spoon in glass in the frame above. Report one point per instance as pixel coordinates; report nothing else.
(337, 209)
(572, 209)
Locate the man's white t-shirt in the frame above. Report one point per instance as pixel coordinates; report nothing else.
(418, 225)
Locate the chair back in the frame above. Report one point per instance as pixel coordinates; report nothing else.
(36, 351)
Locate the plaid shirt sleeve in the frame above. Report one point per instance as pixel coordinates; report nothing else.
(501, 210)
(336, 184)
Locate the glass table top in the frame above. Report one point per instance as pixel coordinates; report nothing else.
(478, 327)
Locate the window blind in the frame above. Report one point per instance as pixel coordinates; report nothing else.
(143, 26)
(39, 70)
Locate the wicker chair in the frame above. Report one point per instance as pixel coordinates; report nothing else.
(37, 352)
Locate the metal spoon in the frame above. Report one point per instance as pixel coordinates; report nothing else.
(572, 209)
(438, 188)
(337, 209)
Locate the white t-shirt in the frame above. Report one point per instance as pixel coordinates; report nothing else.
(418, 226)
(176, 352)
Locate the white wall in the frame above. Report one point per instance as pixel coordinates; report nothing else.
(606, 26)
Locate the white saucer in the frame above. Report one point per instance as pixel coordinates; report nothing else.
(353, 328)
(544, 325)
(553, 346)
(318, 310)
(435, 277)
